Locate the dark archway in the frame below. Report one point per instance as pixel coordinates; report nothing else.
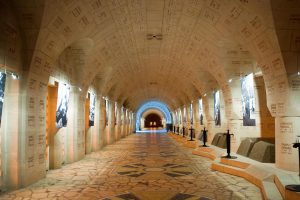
(153, 121)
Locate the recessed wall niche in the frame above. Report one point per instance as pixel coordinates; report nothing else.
(55, 136)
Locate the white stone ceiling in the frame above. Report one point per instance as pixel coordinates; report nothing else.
(137, 50)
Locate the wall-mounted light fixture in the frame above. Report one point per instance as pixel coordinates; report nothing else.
(14, 75)
(298, 72)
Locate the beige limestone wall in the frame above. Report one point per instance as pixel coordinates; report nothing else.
(96, 130)
(10, 138)
(265, 123)
(11, 60)
(287, 130)
(208, 104)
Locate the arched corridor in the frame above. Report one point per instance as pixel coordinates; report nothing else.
(143, 166)
(81, 78)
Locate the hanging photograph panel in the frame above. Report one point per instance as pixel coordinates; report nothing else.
(62, 105)
(200, 112)
(92, 109)
(248, 100)
(217, 108)
(2, 89)
(191, 114)
(106, 111)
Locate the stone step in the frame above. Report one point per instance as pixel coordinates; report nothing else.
(205, 152)
(235, 163)
(271, 191)
(260, 178)
(283, 179)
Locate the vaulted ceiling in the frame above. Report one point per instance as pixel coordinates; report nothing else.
(136, 50)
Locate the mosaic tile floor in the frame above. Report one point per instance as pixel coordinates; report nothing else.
(142, 166)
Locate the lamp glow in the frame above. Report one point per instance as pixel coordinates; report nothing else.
(14, 76)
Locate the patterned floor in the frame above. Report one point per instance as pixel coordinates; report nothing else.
(142, 166)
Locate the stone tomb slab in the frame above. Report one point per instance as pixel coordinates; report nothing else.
(222, 141)
(216, 139)
(263, 152)
(246, 147)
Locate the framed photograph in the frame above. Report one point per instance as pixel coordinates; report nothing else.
(200, 111)
(217, 108)
(191, 114)
(62, 105)
(92, 109)
(106, 111)
(2, 89)
(248, 100)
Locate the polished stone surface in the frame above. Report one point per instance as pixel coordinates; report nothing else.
(142, 166)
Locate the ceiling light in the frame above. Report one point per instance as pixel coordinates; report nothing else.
(204, 95)
(79, 89)
(230, 80)
(298, 73)
(150, 36)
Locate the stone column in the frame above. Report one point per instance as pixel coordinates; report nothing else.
(87, 127)
(181, 124)
(75, 135)
(134, 120)
(287, 124)
(54, 135)
(142, 123)
(209, 115)
(286, 131)
(235, 117)
(95, 136)
(102, 124)
(188, 117)
(109, 129)
(10, 137)
(265, 124)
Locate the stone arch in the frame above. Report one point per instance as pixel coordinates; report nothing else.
(156, 105)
